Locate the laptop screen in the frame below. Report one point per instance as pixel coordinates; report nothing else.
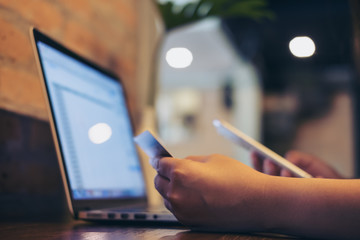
(93, 127)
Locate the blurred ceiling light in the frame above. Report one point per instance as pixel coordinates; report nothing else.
(178, 2)
(179, 57)
(302, 47)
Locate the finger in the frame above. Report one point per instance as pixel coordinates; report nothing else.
(293, 156)
(166, 165)
(257, 161)
(162, 185)
(270, 168)
(298, 158)
(154, 162)
(168, 205)
(198, 158)
(286, 173)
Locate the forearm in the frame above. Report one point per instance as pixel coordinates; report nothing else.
(322, 208)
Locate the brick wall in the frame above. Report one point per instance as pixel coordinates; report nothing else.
(103, 31)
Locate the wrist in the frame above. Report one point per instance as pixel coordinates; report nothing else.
(279, 203)
(267, 204)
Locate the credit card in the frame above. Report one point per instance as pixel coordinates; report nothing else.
(152, 147)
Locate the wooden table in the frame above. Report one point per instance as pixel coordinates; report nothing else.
(83, 230)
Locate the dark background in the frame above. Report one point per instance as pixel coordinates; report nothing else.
(313, 81)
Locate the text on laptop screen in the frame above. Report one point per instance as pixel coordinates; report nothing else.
(93, 127)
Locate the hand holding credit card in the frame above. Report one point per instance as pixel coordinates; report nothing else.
(152, 147)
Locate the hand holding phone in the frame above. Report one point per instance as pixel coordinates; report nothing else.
(238, 137)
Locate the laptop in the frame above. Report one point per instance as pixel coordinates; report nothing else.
(93, 136)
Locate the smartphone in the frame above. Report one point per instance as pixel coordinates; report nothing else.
(236, 136)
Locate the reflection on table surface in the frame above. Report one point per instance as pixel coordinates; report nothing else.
(124, 231)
